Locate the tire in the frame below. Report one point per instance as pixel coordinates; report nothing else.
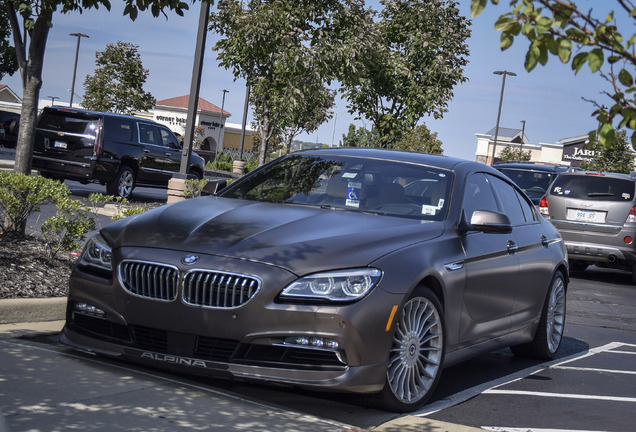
(578, 266)
(123, 183)
(417, 355)
(549, 334)
(195, 174)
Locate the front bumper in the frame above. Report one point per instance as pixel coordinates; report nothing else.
(246, 342)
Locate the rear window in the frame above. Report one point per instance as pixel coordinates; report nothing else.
(594, 188)
(534, 181)
(60, 121)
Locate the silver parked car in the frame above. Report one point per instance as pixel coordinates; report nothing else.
(596, 215)
(342, 269)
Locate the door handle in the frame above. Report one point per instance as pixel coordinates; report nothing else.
(544, 240)
(512, 247)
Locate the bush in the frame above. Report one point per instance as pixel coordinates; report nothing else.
(22, 195)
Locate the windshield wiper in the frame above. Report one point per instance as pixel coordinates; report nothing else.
(601, 194)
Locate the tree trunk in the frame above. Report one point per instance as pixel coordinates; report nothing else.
(31, 71)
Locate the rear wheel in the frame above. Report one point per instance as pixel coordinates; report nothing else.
(417, 354)
(549, 334)
(123, 184)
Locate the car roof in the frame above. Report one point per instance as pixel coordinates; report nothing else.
(92, 113)
(532, 166)
(630, 176)
(441, 161)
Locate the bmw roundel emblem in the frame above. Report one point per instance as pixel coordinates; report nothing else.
(190, 259)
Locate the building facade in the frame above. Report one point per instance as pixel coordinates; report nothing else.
(567, 151)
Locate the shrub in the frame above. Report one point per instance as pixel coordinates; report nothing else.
(22, 195)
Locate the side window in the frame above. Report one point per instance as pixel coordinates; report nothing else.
(148, 134)
(478, 195)
(528, 208)
(168, 139)
(509, 200)
(119, 129)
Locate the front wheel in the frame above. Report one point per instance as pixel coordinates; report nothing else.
(549, 334)
(123, 184)
(417, 355)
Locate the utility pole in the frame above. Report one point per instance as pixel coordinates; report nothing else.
(503, 84)
(79, 37)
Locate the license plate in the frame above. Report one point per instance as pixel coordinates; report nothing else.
(580, 215)
(60, 144)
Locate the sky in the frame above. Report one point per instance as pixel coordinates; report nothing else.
(549, 99)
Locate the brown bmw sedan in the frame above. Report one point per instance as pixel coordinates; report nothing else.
(342, 269)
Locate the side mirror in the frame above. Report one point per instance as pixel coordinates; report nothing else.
(485, 221)
(489, 221)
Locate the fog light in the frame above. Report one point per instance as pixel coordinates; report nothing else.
(628, 240)
(87, 309)
(313, 342)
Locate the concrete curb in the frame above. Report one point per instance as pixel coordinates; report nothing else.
(32, 310)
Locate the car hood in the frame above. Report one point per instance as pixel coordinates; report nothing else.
(298, 238)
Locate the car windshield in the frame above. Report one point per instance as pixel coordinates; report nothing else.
(358, 184)
(594, 187)
(530, 181)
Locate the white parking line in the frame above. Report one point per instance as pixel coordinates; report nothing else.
(561, 395)
(512, 429)
(614, 371)
(467, 394)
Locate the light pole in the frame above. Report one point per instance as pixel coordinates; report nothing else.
(523, 130)
(79, 37)
(503, 84)
(53, 99)
(218, 140)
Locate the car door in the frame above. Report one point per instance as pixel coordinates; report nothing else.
(491, 267)
(532, 250)
(172, 151)
(155, 158)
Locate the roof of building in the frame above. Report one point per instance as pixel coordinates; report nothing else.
(8, 95)
(504, 132)
(182, 102)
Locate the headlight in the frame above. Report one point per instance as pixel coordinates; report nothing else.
(343, 285)
(97, 254)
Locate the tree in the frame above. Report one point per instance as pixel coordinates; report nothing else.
(8, 61)
(560, 28)
(286, 51)
(510, 153)
(117, 85)
(415, 56)
(360, 137)
(611, 157)
(420, 140)
(37, 17)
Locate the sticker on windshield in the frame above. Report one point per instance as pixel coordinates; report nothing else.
(429, 210)
(353, 194)
(349, 175)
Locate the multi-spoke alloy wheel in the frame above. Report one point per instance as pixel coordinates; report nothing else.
(417, 354)
(549, 333)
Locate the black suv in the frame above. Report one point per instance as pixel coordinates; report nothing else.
(117, 150)
(533, 178)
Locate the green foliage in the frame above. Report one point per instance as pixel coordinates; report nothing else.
(117, 85)
(510, 153)
(288, 51)
(412, 56)
(420, 140)
(8, 60)
(361, 137)
(65, 230)
(194, 187)
(22, 195)
(563, 30)
(612, 157)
